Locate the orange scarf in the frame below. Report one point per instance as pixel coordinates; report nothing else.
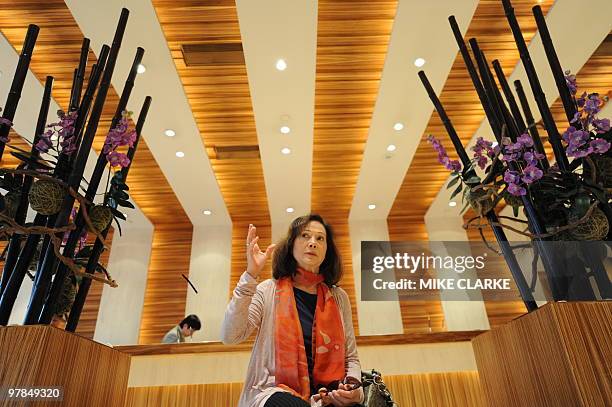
(327, 337)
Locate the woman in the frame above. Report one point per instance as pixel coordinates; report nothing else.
(305, 348)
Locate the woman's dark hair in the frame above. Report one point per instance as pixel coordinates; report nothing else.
(284, 264)
(192, 321)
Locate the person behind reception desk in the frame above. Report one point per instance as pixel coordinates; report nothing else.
(184, 329)
(305, 352)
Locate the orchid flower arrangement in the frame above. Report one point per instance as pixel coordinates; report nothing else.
(119, 136)
(59, 136)
(583, 137)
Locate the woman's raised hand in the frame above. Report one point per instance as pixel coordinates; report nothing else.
(256, 259)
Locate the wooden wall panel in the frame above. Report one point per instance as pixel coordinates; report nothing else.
(455, 389)
(90, 374)
(559, 355)
(458, 389)
(213, 395)
(165, 296)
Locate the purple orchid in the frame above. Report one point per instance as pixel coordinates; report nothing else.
(443, 158)
(120, 136)
(512, 177)
(531, 173)
(516, 190)
(599, 145)
(570, 80)
(601, 125)
(63, 130)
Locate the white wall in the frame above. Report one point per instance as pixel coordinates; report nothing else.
(121, 307)
(209, 271)
(369, 312)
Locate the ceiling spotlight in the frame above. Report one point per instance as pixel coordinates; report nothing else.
(452, 203)
(286, 150)
(371, 206)
(398, 126)
(141, 68)
(207, 212)
(290, 210)
(285, 129)
(419, 62)
(281, 65)
(180, 154)
(170, 133)
(391, 147)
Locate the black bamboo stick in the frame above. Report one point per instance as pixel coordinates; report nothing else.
(530, 122)
(534, 82)
(10, 107)
(83, 112)
(92, 188)
(12, 280)
(555, 65)
(98, 248)
(514, 109)
(515, 268)
(469, 64)
(77, 85)
(551, 266)
(62, 169)
(74, 181)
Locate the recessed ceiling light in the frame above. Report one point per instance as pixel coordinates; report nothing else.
(180, 154)
(285, 129)
(371, 206)
(286, 150)
(290, 210)
(141, 68)
(207, 212)
(398, 126)
(419, 62)
(391, 147)
(281, 65)
(452, 203)
(170, 133)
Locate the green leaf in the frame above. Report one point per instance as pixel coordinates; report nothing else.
(515, 211)
(118, 225)
(456, 191)
(453, 182)
(124, 203)
(117, 214)
(120, 195)
(473, 180)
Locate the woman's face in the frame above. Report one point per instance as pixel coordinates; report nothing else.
(310, 246)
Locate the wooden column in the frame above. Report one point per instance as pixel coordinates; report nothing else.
(559, 355)
(91, 374)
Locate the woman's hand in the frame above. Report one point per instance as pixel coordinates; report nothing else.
(256, 259)
(340, 398)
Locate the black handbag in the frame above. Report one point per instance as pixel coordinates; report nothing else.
(375, 390)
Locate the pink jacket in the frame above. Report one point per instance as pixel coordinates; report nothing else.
(251, 307)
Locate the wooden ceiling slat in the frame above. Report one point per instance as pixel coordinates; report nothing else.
(352, 44)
